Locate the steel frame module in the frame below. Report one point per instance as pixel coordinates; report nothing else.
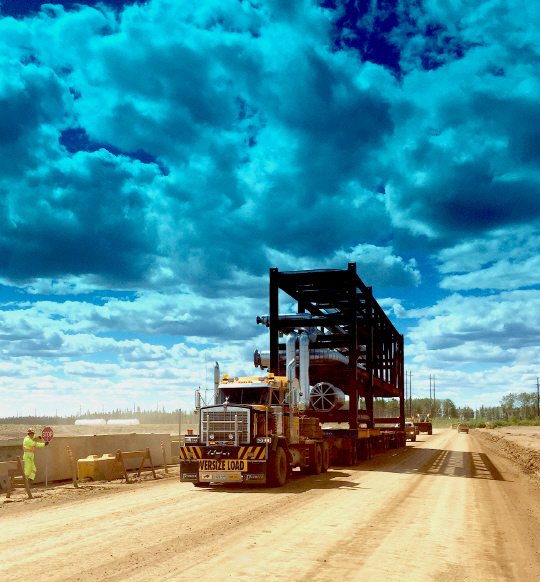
(350, 321)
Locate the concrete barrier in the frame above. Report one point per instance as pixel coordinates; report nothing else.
(56, 458)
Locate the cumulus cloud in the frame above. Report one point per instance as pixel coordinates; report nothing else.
(223, 124)
(460, 329)
(503, 259)
(172, 166)
(195, 141)
(376, 266)
(90, 370)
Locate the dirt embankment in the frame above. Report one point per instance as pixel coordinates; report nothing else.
(520, 444)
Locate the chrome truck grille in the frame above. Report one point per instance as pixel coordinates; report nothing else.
(217, 425)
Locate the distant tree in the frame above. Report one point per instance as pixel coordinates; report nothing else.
(466, 413)
(449, 409)
(507, 405)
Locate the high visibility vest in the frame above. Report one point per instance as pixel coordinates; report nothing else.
(29, 445)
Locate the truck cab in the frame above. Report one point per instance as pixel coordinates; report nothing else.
(239, 436)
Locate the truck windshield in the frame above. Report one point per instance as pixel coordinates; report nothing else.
(244, 395)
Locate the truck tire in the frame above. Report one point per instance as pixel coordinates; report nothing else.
(413, 438)
(362, 449)
(430, 432)
(325, 457)
(277, 468)
(349, 457)
(316, 460)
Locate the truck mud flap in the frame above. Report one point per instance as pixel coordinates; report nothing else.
(189, 471)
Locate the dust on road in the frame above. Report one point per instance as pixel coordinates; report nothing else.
(444, 508)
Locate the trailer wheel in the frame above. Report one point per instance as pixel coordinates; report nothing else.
(325, 457)
(362, 449)
(316, 460)
(349, 457)
(277, 468)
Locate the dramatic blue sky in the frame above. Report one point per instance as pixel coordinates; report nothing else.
(157, 158)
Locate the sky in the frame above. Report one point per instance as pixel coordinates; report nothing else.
(158, 158)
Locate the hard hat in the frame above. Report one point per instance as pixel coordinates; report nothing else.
(30, 430)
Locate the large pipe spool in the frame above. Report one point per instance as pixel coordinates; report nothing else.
(325, 397)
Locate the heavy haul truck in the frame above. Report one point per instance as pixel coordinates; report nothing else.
(422, 423)
(338, 351)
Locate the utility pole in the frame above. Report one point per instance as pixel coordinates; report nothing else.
(537, 398)
(430, 403)
(434, 399)
(407, 390)
(410, 392)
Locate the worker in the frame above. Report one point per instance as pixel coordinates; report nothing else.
(29, 446)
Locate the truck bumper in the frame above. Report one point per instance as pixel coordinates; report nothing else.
(202, 464)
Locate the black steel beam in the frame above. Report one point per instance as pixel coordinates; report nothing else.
(356, 326)
(274, 324)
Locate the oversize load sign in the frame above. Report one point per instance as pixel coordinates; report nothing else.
(222, 465)
(47, 434)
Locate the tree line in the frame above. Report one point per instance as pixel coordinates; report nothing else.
(440, 408)
(512, 408)
(143, 416)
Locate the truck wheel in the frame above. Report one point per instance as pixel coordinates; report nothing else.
(430, 432)
(363, 450)
(325, 457)
(413, 438)
(315, 463)
(349, 457)
(277, 468)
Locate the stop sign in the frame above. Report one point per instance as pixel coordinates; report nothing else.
(47, 434)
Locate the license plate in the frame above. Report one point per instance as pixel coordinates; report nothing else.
(206, 465)
(220, 477)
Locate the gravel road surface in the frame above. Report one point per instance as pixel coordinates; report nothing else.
(445, 508)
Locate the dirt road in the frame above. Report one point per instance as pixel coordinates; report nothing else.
(443, 509)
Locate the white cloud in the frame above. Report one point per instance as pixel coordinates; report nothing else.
(90, 370)
(151, 175)
(498, 329)
(503, 259)
(376, 266)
